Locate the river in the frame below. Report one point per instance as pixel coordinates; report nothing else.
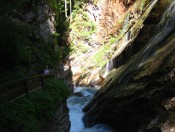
(76, 104)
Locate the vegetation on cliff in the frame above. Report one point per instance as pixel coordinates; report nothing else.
(23, 50)
(110, 30)
(99, 32)
(29, 114)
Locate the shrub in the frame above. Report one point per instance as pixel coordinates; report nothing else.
(26, 114)
(57, 89)
(18, 116)
(44, 105)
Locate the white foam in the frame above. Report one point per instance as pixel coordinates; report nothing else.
(76, 104)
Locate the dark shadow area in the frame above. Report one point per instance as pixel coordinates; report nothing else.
(23, 49)
(33, 36)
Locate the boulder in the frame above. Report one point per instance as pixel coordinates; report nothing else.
(79, 94)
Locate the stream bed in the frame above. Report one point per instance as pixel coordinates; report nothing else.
(76, 104)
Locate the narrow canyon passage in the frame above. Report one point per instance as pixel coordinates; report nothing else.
(75, 103)
(110, 66)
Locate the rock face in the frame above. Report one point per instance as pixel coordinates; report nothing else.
(60, 122)
(150, 24)
(139, 96)
(46, 19)
(111, 12)
(43, 20)
(110, 27)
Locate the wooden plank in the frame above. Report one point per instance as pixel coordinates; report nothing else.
(12, 92)
(22, 86)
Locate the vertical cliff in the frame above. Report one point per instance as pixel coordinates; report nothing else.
(111, 15)
(33, 34)
(31, 37)
(100, 31)
(138, 96)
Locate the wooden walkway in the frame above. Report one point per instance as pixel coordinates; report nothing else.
(24, 86)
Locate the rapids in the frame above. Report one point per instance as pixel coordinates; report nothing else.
(76, 104)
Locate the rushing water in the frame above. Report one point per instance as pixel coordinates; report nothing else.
(76, 104)
(109, 66)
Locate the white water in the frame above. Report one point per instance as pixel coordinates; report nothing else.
(108, 68)
(76, 104)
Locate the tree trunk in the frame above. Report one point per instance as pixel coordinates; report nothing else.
(66, 8)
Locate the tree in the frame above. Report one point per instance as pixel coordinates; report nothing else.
(66, 8)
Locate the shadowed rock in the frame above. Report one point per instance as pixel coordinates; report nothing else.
(133, 97)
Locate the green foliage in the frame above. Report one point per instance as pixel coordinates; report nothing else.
(44, 54)
(79, 48)
(98, 59)
(62, 27)
(82, 27)
(14, 42)
(21, 51)
(26, 114)
(62, 24)
(15, 53)
(46, 102)
(79, 3)
(44, 105)
(113, 40)
(18, 116)
(19, 47)
(54, 4)
(58, 90)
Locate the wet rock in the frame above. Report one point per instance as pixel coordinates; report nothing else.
(134, 99)
(79, 94)
(168, 126)
(60, 122)
(97, 80)
(169, 104)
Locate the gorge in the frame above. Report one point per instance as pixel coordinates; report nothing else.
(120, 61)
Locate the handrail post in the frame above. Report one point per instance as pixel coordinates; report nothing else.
(56, 74)
(26, 87)
(42, 82)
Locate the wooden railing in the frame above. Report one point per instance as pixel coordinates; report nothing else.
(24, 86)
(20, 87)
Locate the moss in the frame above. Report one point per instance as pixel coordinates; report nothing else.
(99, 58)
(78, 48)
